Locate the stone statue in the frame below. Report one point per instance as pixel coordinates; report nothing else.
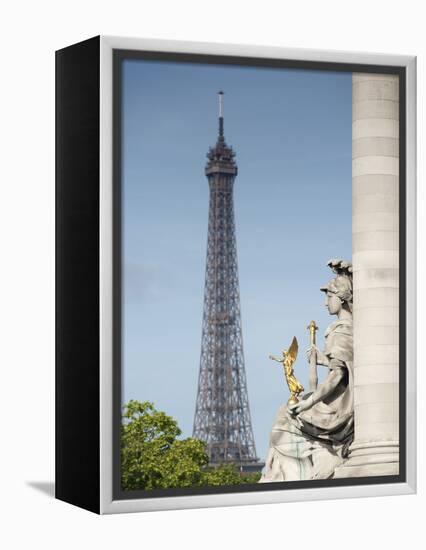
(311, 438)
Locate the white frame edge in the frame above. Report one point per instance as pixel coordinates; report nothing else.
(107, 504)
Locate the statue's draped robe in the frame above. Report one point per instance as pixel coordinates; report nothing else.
(312, 444)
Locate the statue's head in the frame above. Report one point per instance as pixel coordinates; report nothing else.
(339, 290)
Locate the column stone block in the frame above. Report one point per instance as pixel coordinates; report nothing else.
(375, 257)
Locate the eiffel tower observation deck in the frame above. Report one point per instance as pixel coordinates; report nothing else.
(222, 415)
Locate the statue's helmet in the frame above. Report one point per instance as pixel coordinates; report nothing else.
(341, 285)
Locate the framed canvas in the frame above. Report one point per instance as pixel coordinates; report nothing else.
(211, 199)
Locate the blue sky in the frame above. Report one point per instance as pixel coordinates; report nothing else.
(291, 131)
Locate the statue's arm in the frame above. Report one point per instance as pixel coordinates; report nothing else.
(333, 379)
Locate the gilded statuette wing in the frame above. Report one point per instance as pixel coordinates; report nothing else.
(291, 354)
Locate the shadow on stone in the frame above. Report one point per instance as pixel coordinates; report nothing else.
(46, 487)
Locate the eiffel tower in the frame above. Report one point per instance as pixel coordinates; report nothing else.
(222, 414)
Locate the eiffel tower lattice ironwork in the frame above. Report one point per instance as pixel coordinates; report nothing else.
(222, 415)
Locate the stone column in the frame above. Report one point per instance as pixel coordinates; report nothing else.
(375, 247)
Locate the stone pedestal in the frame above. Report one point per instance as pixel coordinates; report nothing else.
(375, 180)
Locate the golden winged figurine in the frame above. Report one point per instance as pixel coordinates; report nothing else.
(287, 360)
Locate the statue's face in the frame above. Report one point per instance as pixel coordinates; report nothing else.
(333, 303)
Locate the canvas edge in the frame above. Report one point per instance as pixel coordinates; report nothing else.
(411, 271)
(107, 503)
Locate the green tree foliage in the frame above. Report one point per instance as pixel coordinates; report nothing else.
(153, 457)
(228, 474)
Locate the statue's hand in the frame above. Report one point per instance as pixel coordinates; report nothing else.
(303, 405)
(312, 352)
(320, 358)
